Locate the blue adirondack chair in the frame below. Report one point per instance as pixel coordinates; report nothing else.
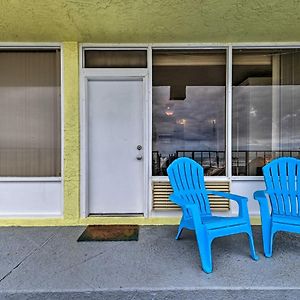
(280, 202)
(187, 180)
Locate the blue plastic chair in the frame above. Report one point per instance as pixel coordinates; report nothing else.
(280, 202)
(187, 180)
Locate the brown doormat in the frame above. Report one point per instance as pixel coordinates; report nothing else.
(110, 233)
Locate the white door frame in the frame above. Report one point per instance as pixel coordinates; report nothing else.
(111, 74)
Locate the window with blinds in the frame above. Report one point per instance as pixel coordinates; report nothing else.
(30, 113)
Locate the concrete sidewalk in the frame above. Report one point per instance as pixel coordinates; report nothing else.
(49, 263)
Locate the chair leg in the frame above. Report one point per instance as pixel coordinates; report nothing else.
(267, 239)
(205, 255)
(180, 228)
(204, 246)
(269, 251)
(251, 244)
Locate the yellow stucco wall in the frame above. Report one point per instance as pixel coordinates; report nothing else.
(71, 131)
(149, 21)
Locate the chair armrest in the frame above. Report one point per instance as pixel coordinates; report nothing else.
(176, 200)
(260, 196)
(265, 216)
(241, 200)
(234, 197)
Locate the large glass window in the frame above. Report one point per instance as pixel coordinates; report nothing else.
(30, 126)
(266, 108)
(189, 108)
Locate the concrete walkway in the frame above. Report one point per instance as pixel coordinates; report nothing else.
(48, 263)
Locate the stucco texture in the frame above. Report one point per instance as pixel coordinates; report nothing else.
(149, 21)
(71, 131)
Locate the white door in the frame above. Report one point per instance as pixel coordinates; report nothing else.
(115, 133)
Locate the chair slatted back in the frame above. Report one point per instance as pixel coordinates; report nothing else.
(187, 180)
(282, 177)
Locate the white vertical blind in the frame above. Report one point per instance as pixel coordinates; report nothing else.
(30, 126)
(266, 107)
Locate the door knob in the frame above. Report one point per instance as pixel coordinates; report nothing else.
(139, 147)
(139, 157)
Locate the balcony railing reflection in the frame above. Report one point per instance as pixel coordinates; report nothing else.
(213, 162)
(244, 163)
(250, 163)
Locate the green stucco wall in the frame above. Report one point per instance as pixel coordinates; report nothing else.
(138, 21)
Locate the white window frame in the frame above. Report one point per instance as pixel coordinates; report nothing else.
(35, 182)
(34, 46)
(103, 74)
(254, 46)
(228, 101)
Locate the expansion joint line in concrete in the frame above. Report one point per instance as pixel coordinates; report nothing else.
(27, 256)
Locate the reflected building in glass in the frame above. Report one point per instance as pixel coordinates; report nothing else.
(189, 108)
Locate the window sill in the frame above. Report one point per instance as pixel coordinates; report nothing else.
(216, 178)
(247, 178)
(206, 178)
(30, 179)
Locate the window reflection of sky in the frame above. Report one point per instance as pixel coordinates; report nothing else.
(197, 123)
